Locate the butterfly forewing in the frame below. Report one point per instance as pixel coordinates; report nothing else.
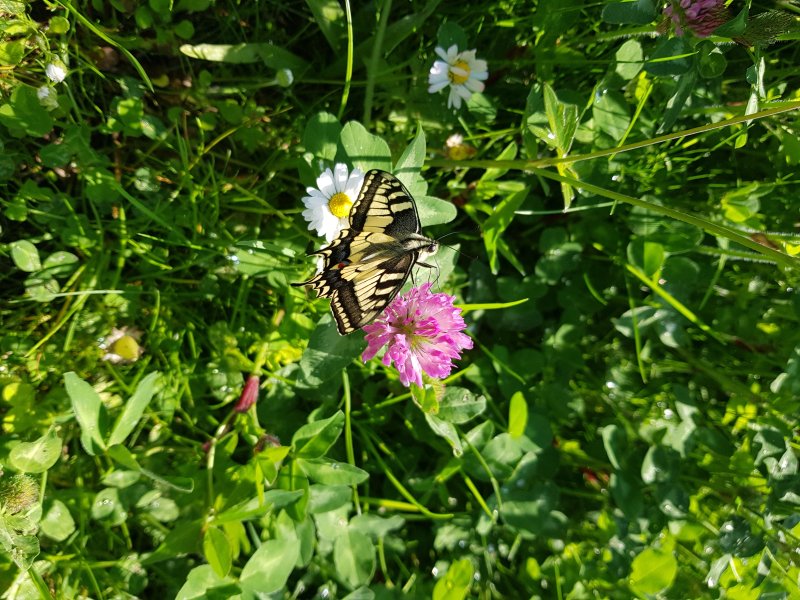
(367, 265)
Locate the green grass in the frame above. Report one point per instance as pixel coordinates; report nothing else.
(623, 240)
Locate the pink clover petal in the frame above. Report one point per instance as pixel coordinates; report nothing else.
(423, 333)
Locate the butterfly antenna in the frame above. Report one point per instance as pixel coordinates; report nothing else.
(469, 256)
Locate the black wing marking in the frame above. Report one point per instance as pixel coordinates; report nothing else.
(366, 266)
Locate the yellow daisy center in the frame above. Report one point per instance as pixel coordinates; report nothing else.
(457, 78)
(340, 204)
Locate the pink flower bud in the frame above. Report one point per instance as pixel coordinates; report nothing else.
(249, 395)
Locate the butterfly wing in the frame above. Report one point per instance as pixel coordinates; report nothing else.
(367, 265)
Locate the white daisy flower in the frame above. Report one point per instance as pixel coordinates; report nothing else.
(56, 71)
(463, 72)
(122, 346)
(328, 208)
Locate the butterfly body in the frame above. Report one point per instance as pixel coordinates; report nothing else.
(366, 266)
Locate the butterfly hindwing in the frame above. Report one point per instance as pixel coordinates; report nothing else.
(366, 266)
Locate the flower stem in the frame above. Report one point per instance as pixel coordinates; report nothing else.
(373, 62)
(348, 76)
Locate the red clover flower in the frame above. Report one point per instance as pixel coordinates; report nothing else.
(699, 16)
(423, 332)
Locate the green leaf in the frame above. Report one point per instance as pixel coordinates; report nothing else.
(784, 469)
(217, 550)
(562, 119)
(409, 164)
(446, 430)
(683, 91)
(659, 465)
(292, 479)
(711, 61)
(361, 593)
(123, 456)
(36, 456)
(459, 405)
(107, 506)
(330, 19)
(672, 56)
(354, 557)
(315, 439)
(60, 264)
(12, 7)
(629, 13)
(22, 548)
(25, 256)
(331, 472)
(327, 355)
(364, 150)
(426, 397)
(629, 59)
(57, 522)
(736, 26)
(435, 211)
(517, 415)
(743, 203)
(89, 412)
(497, 223)
(646, 255)
(457, 581)
(134, 409)
(324, 498)
(616, 445)
(271, 55)
(528, 508)
(23, 114)
(451, 33)
(320, 138)
(494, 173)
(41, 289)
(652, 571)
(202, 583)
(610, 113)
(268, 569)
(255, 508)
(12, 53)
(376, 527)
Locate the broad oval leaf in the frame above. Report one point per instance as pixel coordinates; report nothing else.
(269, 567)
(217, 550)
(354, 557)
(652, 571)
(315, 439)
(456, 583)
(57, 522)
(134, 408)
(365, 151)
(88, 411)
(25, 256)
(517, 415)
(459, 405)
(36, 456)
(331, 472)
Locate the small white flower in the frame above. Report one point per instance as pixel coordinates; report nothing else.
(328, 208)
(47, 97)
(456, 149)
(56, 72)
(463, 72)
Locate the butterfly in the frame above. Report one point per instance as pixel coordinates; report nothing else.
(366, 266)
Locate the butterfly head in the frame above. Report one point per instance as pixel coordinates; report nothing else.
(430, 249)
